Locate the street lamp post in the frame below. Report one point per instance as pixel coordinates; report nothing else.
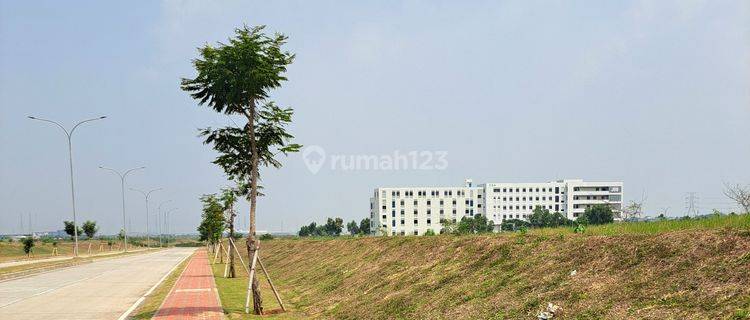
(166, 224)
(159, 222)
(147, 195)
(69, 135)
(122, 186)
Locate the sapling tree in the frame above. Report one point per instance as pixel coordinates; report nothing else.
(235, 79)
(90, 228)
(228, 199)
(212, 223)
(70, 229)
(28, 245)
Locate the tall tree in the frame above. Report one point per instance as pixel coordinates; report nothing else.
(235, 78)
(364, 226)
(352, 227)
(90, 228)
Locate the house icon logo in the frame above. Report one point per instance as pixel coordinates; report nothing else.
(314, 157)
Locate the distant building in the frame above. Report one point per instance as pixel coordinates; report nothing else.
(414, 210)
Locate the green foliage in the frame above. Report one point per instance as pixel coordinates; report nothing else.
(121, 234)
(310, 230)
(212, 224)
(364, 226)
(542, 218)
(352, 227)
(513, 224)
(235, 78)
(596, 214)
(90, 228)
(580, 228)
(266, 236)
(476, 224)
(429, 232)
(28, 244)
(332, 228)
(234, 74)
(523, 229)
(71, 229)
(449, 226)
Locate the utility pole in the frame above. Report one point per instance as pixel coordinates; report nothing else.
(147, 195)
(69, 134)
(691, 204)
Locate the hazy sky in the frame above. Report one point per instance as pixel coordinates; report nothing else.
(656, 94)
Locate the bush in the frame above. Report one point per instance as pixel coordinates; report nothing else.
(597, 214)
(513, 224)
(429, 232)
(266, 236)
(28, 244)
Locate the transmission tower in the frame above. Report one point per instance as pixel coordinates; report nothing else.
(691, 204)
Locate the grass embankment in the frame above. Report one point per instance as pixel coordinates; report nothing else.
(153, 301)
(667, 270)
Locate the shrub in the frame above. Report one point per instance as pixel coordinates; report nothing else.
(429, 232)
(266, 236)
(28, 244)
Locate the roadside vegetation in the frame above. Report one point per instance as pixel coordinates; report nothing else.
(680, 269)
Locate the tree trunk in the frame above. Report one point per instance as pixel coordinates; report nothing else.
(252, 244)
(230, 244)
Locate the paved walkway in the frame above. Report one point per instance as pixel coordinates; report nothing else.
(194, 295)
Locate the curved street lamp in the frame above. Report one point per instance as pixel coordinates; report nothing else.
(122, 185)
(146, 195)
(69, 135)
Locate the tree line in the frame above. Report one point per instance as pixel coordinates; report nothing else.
(334, 227)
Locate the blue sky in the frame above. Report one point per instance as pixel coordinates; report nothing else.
(653, 93)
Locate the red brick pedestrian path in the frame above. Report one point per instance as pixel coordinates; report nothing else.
(194, 294)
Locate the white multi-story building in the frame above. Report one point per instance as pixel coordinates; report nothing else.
(414, 210)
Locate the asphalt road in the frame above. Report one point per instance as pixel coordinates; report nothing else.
(104, 289)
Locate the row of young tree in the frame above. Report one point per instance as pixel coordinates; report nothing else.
(334, 227)
(543, 218)
(89, 228)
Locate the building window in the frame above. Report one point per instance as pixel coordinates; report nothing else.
(403, 222)
(416, 233)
